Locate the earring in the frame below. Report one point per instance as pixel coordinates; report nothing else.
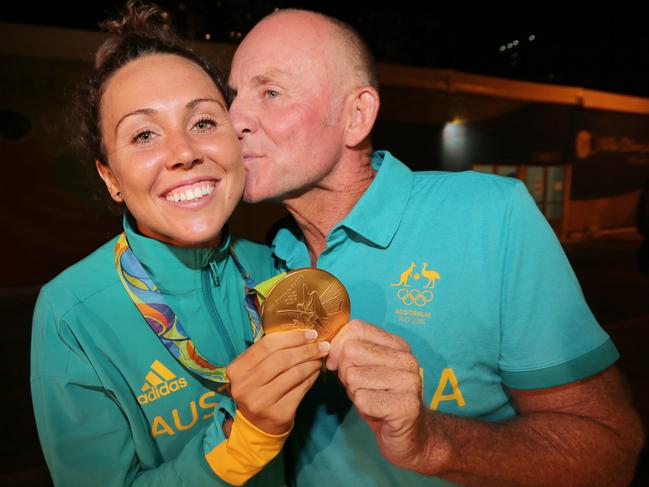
(118, 194)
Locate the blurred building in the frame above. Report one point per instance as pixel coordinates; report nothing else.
(584, 154)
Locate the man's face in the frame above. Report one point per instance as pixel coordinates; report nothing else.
(285, 110)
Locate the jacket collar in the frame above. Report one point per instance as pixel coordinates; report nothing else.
(176, 269)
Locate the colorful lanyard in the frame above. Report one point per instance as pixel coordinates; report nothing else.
(164, 322)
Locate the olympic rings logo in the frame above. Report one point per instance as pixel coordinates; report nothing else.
(414, 296)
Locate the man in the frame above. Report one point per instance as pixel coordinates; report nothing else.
(483, 365)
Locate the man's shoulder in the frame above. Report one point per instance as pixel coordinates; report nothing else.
(256, 258)
(442, 180)
(464, 188)
(474, 180)
(250, 249)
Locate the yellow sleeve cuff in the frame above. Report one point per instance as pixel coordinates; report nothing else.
(245, 452)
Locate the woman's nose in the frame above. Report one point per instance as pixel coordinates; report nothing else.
(184, 152)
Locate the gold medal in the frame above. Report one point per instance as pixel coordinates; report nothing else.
(307, 298)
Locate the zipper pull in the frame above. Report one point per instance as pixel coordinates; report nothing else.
(214, 273)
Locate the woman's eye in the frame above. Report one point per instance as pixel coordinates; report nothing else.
(205, 124)
(143, 137)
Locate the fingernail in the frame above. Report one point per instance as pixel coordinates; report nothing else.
(324, 346)
(330, 363)
(311, 334)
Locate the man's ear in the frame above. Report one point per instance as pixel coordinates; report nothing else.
(362, 112)
(106, 174)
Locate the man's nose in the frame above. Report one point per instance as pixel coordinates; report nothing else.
(243, 119)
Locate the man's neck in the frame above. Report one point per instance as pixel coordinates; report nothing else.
(321, 208)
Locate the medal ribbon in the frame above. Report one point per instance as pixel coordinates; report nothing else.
(164, 322)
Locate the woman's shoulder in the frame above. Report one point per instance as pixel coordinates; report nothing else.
(91, 275)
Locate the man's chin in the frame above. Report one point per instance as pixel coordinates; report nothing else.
(251, 198)
(252, 195)
(259, 199)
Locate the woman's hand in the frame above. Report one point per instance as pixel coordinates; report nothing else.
(269, 379)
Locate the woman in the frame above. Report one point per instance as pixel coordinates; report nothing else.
(130, 345)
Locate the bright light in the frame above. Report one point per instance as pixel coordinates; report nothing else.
(531, 38)
(208, 37)
(510, 45)
(515, 42)
(454, 144)
(502, 48)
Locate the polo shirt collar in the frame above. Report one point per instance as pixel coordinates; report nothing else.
(377, 214)
(375, 217)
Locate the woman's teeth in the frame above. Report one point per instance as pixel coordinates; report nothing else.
(191, 192)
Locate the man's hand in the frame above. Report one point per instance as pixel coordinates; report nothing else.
(582, 433)
(382, 379)
(269, 379)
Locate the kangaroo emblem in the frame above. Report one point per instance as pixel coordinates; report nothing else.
(405, 275)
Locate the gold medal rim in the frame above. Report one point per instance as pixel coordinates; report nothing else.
(303, 270)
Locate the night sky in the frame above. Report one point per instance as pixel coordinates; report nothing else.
(598, 49)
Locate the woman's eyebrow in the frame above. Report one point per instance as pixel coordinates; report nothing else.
(198, 101)
(140, 111)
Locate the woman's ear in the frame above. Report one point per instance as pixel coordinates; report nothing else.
(363, 110)
(106, 174)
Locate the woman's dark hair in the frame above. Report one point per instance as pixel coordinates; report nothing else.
(142, 30)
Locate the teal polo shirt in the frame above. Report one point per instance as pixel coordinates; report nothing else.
(465, 268)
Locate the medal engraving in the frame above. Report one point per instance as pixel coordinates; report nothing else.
(307, 298)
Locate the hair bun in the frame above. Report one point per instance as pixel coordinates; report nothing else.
(138, 17)
(136, 20)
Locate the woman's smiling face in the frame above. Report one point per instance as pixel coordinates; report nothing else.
(172, 151)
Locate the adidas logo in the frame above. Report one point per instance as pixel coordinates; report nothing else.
(160, 382)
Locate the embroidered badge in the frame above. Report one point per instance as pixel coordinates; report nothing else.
(415, 293)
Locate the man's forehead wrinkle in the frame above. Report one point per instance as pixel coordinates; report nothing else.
(270, 76)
